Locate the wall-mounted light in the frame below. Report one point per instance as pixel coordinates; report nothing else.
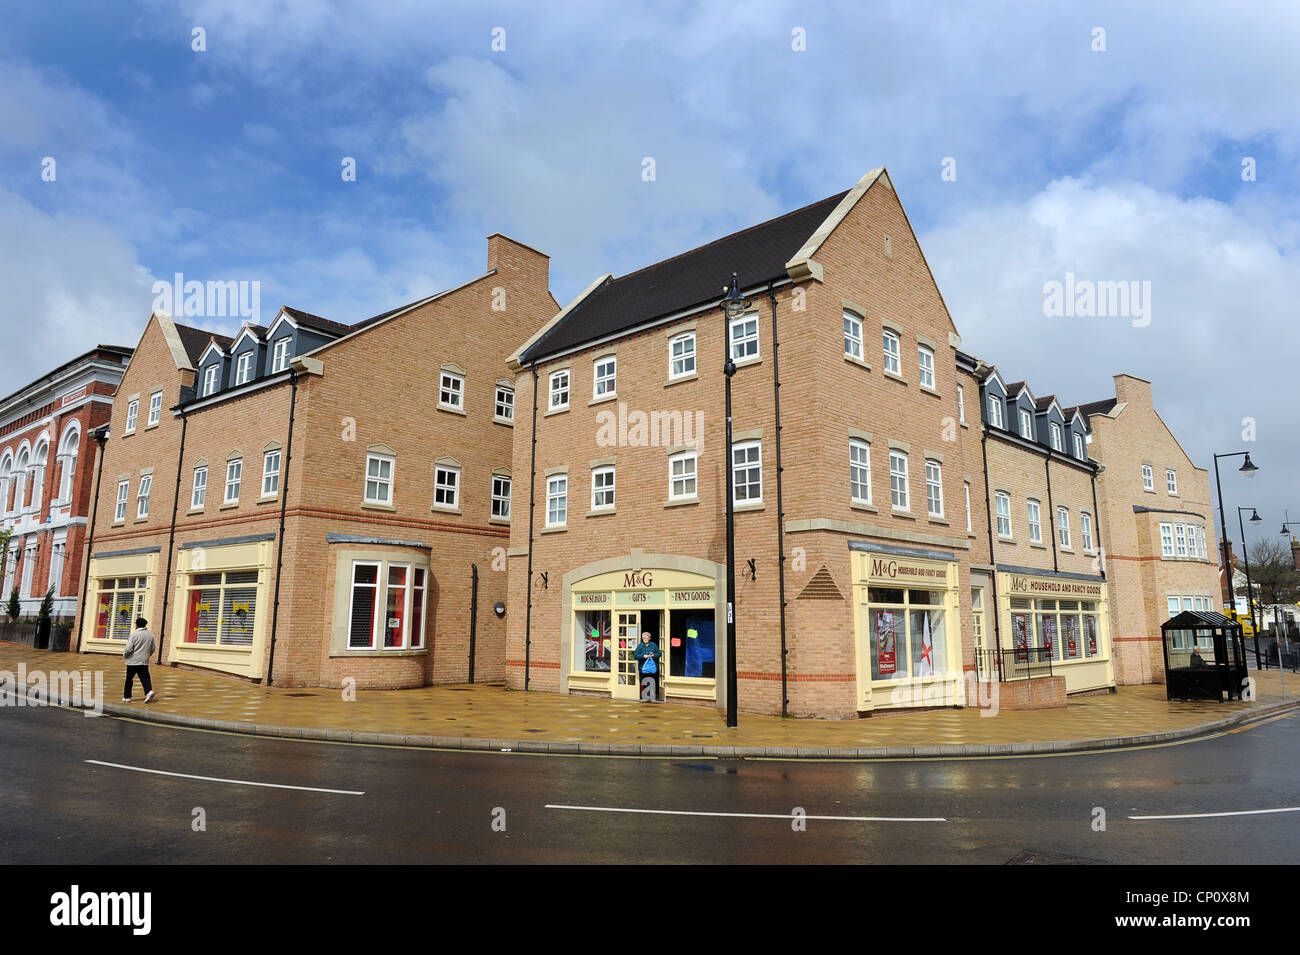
(752, 573)
(499, 608)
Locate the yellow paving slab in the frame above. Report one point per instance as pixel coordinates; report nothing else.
(493, 712)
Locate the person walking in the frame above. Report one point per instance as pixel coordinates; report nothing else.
(139, 648)
(647, 654)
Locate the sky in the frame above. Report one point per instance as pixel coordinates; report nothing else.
(1146, 143)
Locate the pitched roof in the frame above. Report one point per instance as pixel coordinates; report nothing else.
(1105, 406)
(196, 341)
(695, 278)
(315, 322)
(1042, 404)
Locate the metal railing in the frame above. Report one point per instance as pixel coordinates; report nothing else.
(1015, 664)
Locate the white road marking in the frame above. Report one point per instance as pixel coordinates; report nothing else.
(235, 782)
(1214, 815)
(753, 815)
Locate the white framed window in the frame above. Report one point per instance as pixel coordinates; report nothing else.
(132, 413)
(859, 471)
(446, 485)
(925, 365)
(451, 390)
(604, 378)
(933, 489)
(995, 411)
(1148, 479)
(1172, 604)
(210, 379)
(142, 497)
(1171, 480)
(1003, 504)
(965, 487)
(1200, 544)
(852, 335)
(363, 614)
(503, 406)
(747, 472)
(199, 489)
(58, 558)
(1078, 447)
(379, 479)
(899, 496)
(280, 356)
(1035, 522)
(557, 500)
(1180, 539)
(1056, 437)
(1166, 540)
(155, 408)
(681, 355)
(602, 488)
(559, 390)
(244, 368)
(1063, 525)
(1085, 527)
(123, 490)
(682, 470)
(743, 335)
(961, 404)
(270, 473)
(892, 350)
(501, 496)
(234, 477)
(386, 610)
(1026, 424)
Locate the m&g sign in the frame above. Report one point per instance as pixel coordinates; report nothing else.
(896, 570)
(1039, 585)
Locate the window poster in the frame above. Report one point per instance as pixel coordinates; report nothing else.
(1090, 631)
(886, 642)
(1020, 630)
(1048, 623)
(1071, 624)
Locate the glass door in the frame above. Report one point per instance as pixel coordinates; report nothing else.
(627, 680)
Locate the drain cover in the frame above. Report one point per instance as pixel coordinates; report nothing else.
(1041, 857)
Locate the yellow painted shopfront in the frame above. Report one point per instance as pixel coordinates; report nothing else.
(120, 589)
(223, 604)
(1066, 615)
(907, 628)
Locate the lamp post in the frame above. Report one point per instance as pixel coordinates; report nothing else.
(1249, 470)
(733, 306)
(1245, 552)
(1286, 524)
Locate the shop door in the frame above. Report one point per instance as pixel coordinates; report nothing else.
(627, 679)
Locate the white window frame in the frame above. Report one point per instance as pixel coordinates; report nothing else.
(1079, 451)
(451, 384)
(859, 470)
(210, 379)
(502, 484)
(508, 394)
(1180, 540)
(602, 489)
(155, 409)
(748, 467)
(925, 365)
(852, 335)
(966, 491)
(961, 404)
(557, 500)
(1057, 437)
(234, 480)
(1171, 480)
(892, 360)
(1063, 526)
(933, 488)
(604, 377)
(142, 497)
(693, 477)
(741, 343)
(677, 363)
(446, 481)
(199, 489)
(1034, 511)
(244, 368)
(1148, 478)
(271, 476)
(1166, 540)
(995, 410)
(558, 387)
(899, 488)
(378, 479)
(380, 584)
(132, 415)
(123, 492)
(1085, 530)
(1002, 508)
(1026, 423)
(280, 355)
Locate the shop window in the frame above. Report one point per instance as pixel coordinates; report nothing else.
(222, 608)
(691, 644)
(388, 616)
(120, 600)
(365, 595)
(595, 647)
(907, 632)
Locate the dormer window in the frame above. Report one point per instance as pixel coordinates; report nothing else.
(1078, 447)
(995, 411)
(244, 368)
(210, 379)
(280, 357)
(1056, 437)
(1026, 424)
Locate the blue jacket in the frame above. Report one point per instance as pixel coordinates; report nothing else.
(646, 651)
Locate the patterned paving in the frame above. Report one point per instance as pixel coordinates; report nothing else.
(493, 712)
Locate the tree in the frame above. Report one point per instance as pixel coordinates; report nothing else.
(1272, 573)
(13, 609)
(47, 605)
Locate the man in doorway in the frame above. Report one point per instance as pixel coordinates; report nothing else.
(139, 648)
(647, 655)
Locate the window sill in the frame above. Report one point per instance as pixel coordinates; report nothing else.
(508, 422)
(682, 501)
(558, 529)
(141, 520)
(926, 389)
(964, 424)
(194, 510)
(1006, 540)
(378, 653)
(1037, 546)
(451, 409)
(444, 509)
(563, 409)
(611, 396)
(895, 376)
(864, 506)
(681, 378)
(268, 499)
(499, 520)
(228, 506)
(127, 434)
(900, 512)
(150, 427)
(376, 506)
(938, 520)
(1148, 490)
(748, 506)
(600, 511)
(1066, 550)
(852, 360)
(121, 523)
(745, 362)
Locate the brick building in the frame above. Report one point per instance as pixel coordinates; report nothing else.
(47, 471)
(1162, 551)
(344, 491)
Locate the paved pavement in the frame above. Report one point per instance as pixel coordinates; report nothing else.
(491, 717)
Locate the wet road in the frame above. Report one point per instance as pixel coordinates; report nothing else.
(400, 805)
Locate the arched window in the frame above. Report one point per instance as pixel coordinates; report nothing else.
(6, 481)
(20, 479)
(39, 459)
(69, 448)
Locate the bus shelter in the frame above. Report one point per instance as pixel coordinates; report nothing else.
(1205, 656)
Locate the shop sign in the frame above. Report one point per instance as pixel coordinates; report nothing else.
(679, 597)
(905, 571)
(591, 600)
(639, 598)
(73, 396)
(886, 643)
(1042, 585)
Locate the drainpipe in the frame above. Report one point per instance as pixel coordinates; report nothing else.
(284, 502)
(1096, 519)
(473, 616)
(100, 435)
(780, 512)
(532, 506)
(171, 539)
(988, 523)
(1051, 508)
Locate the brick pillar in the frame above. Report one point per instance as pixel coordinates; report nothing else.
(1295, 552)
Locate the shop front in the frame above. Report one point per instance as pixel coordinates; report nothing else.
(676, 600)
(120, 590)
(1064, 615)
(907, 627)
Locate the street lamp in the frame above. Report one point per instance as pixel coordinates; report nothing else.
(1249, 470)
(733, 306)
(1245, 552)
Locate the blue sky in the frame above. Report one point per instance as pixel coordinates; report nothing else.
(1122, 164)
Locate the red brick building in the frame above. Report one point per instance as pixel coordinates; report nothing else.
(47, 472)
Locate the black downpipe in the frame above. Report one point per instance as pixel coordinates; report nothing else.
(780, 511)
(100, 437)
(1096, 519)
(988, 523)
(473, 616)
(532, 505)
(1051, 508)
(279, 544)
(171, 539)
